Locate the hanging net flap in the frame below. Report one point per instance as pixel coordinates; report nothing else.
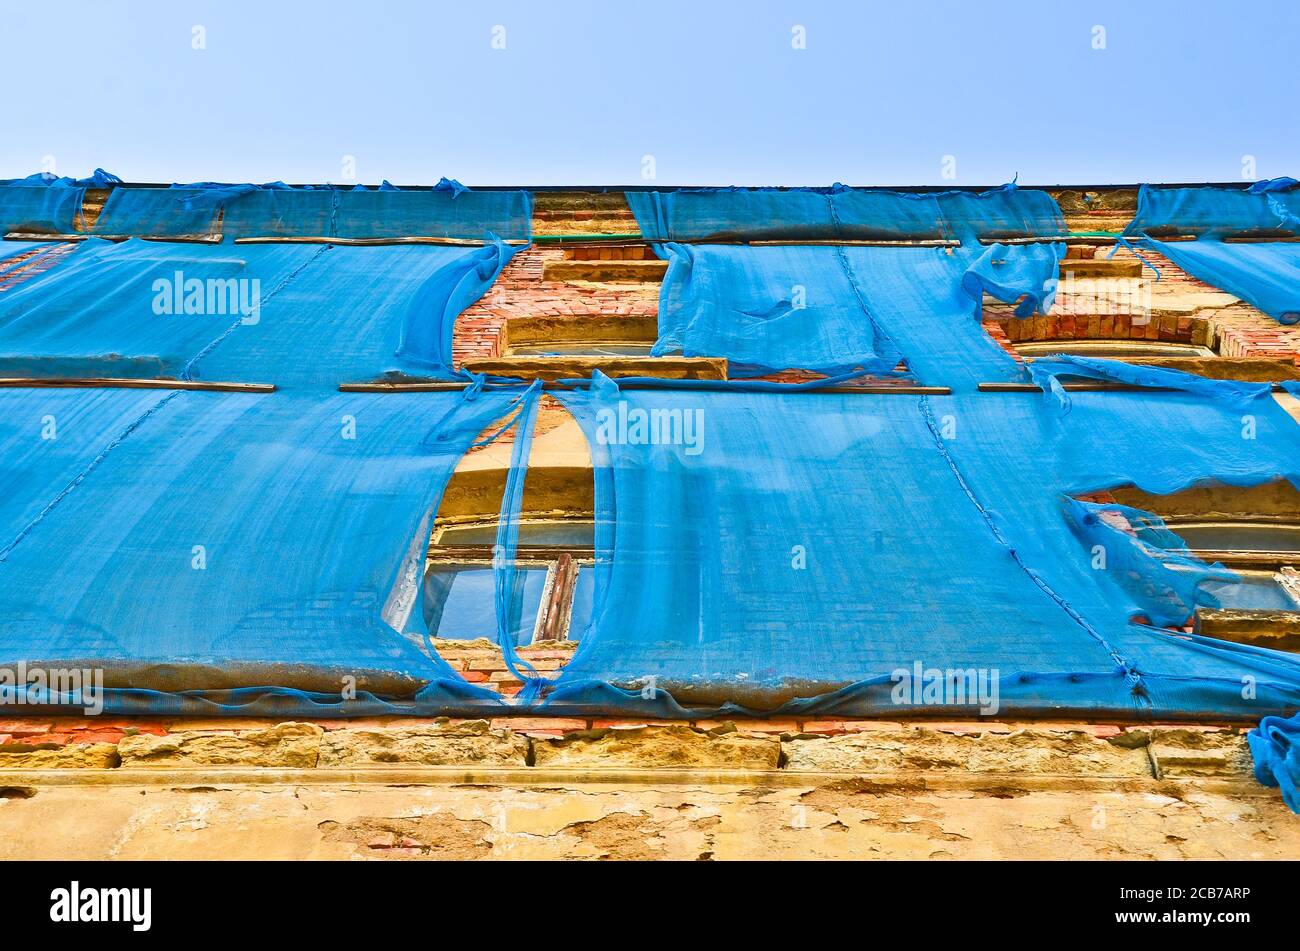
(840, 309)
(812, 551)
(839, 212)
(1265, 274)
(291, 314)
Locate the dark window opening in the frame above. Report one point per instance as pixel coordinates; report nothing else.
(552, 598)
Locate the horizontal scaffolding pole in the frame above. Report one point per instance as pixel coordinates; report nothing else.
(369, 242)
(130, 384)
(708, 385)
(1090, 388)
(115, 238)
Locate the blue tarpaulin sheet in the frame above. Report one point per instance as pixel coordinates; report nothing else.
(1275, 746)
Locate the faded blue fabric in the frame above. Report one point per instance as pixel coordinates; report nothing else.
(176, 212)
(1149, 561)
(40, 207)
(768, 309)
(767, 547)
(1214, 211)
(470, 215)
(10, 250)
(1050, 371)
(1275, 747)
(1264, 274)
(295, 315)
(225, 539)
(757, 214)
(275, 210)
(836, 309)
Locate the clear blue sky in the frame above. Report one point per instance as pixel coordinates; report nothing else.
(715, 92)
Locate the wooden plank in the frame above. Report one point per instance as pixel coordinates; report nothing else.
(375, 242)
(115, 238)
(1095, 387)
(707, 385)
(129, 384)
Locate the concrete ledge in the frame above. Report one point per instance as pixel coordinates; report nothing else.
(1247, 369)
(1178, 752)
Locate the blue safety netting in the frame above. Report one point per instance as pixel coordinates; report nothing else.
(449, 211)
(176, 212)
(1216, 211)
(290, 314)
(227, 551)
(840, 212)
(836, 309)
(11, 251)
(1265, 274)
(1275, 747)
(757, 549)
(844, 308)
(40, 207)
(793, 551)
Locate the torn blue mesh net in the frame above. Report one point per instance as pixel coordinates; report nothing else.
(1215, 211)
(1265, 274)
(1275, 747)
(40, 207)
(836, 309)
(195, 543)
(12, 254)
(179, 211)
(448, 211)
(839, 212)
(796, 552)
(292, 314)
(844, 308)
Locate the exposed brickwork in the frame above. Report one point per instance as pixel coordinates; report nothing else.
(520, 291)
(1231, 329)
(26, 266)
